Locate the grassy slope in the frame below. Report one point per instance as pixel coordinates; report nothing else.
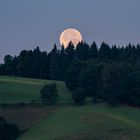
(14, 89)
(96, 122)
(86, 123)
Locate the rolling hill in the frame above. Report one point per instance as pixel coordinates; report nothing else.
(64, 122)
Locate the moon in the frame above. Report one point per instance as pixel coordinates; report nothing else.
(70, 35)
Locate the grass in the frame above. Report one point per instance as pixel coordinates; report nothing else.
(13, 90)
(87, 123)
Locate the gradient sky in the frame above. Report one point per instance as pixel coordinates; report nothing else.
(25, 24)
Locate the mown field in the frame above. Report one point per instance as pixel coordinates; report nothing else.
(16, 90)
(64, 122)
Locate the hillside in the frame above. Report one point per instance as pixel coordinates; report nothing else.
(16, 90)
(69, 122)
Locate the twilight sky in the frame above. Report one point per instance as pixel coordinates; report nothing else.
(25, 24)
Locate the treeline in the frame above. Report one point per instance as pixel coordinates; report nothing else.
(107, 73)
(112, 82)
(55, 64)
(37, 64)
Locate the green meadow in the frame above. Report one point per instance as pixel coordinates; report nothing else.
(15, 90)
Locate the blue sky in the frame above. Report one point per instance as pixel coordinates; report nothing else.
(25, 24)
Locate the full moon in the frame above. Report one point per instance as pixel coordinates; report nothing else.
(70, 35)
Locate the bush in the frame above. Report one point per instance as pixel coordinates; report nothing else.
(95, 100)
(32, 101)
(8, 131)
(112, 102)
(49, 93)
(21, 104)
(4, 105)
(79, 97)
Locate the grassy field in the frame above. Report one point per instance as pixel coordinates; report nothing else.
(88, 122)
(15, 90)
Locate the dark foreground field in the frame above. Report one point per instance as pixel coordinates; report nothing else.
(25, 116)
(97, 122)
(69, 122)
